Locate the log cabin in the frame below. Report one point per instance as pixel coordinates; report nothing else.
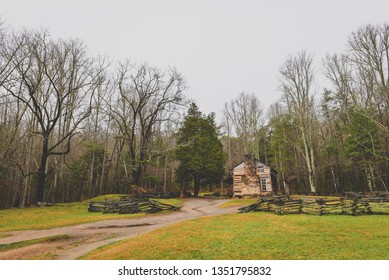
(253, 178)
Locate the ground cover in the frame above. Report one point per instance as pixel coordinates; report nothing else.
(16, 245)
(260, 236)
(61, 214)
(239, 202)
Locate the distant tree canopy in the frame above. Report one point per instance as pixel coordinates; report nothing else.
(57, 103)
(325, 140)
(199, 151)
(74, 126)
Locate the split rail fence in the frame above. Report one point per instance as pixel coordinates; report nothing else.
(128, 205)
(354, 206)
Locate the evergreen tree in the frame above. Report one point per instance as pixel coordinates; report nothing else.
(364, 144)
(199, 151)
(282, 150)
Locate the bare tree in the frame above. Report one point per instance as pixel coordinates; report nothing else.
(369, 53)
(361, 86)
(146, 96)
(56, 81)
(227, 127)
(12, 115)
(245, 115)
(297, 82)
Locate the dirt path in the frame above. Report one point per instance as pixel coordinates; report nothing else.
(87, 237)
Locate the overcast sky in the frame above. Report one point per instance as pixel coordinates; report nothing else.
(221, 47)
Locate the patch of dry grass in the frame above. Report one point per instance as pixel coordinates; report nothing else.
(239, 202)
(16, 245)
(3, 235)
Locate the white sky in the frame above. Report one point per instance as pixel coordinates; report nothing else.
(221, 47)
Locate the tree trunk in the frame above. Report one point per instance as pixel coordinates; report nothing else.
(196, 186)
(91, 189)
(102, 177)
(334, 179)
(157, 175)
(136, 175)
(165, 176)
(309, 161)
(26, 197)
(42, 170)
(286, 188)
(54, 186)
(370, 176)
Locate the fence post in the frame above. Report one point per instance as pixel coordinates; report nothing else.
(300, 206)
(354, 207)
(367, 207)
(342, 204)
(321, 202)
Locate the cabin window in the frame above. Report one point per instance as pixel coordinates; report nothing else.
(263, 183)
(261, 169)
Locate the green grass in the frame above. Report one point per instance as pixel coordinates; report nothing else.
(62, 214)
(260, 236)
(106, 196)
(16, 245)
(45, 257)
(239, 202)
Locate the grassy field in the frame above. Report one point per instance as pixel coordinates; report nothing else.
(239, 236)
(260, 236)
(62, 214)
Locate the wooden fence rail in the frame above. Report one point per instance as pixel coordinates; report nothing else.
(334, 206)
(130, 206)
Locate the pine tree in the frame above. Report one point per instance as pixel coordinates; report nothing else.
(199, 151)
(363, 144)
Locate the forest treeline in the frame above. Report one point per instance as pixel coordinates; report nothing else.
(74, 126)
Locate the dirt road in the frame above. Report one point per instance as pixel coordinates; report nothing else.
(87, 237)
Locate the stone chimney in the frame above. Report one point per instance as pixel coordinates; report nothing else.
(249, 165)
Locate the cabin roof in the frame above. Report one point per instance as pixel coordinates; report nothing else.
(258, 163)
